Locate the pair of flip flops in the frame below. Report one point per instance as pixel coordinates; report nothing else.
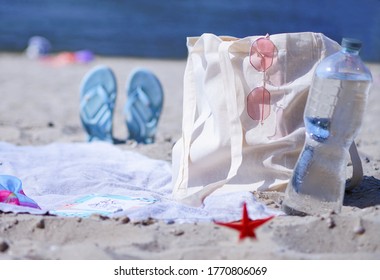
(142, 109)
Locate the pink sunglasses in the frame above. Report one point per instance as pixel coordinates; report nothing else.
(262, 54)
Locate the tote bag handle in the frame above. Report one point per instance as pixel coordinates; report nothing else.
(236, 133)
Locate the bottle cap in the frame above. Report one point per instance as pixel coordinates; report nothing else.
(351, 43)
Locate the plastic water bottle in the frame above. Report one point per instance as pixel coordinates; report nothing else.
(332, 116)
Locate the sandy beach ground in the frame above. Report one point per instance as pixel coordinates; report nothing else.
(40, 105)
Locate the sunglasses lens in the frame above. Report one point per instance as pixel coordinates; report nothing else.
(258, 104)
(262, 53)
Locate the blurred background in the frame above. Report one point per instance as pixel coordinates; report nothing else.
(151, 28)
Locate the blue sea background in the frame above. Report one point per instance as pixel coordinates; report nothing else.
(151, 28)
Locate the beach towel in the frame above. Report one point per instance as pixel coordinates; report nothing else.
(243, 106)
(60, 175)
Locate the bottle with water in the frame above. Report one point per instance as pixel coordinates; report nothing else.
(333, 115)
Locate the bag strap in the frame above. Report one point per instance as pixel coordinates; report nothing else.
(189, 110)
(236, 133)
(357, 168)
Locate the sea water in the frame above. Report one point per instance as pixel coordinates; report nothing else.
(332, 119)
(149, 28)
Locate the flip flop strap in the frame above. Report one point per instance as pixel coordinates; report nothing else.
(139, 101)
(139, 105)
(99, 108)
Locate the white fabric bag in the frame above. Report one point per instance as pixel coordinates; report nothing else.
(243, 112)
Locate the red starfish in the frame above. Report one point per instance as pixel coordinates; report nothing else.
(246, 226)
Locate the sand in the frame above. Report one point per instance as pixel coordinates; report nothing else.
(39, 105)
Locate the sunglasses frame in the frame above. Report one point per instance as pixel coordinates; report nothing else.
(258, 100)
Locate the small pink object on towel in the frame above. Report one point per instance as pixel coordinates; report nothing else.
(11, 192)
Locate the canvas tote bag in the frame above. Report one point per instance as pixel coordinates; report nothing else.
(244, 99)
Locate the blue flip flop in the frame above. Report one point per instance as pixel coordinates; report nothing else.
(144, 105)
(97, 102)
